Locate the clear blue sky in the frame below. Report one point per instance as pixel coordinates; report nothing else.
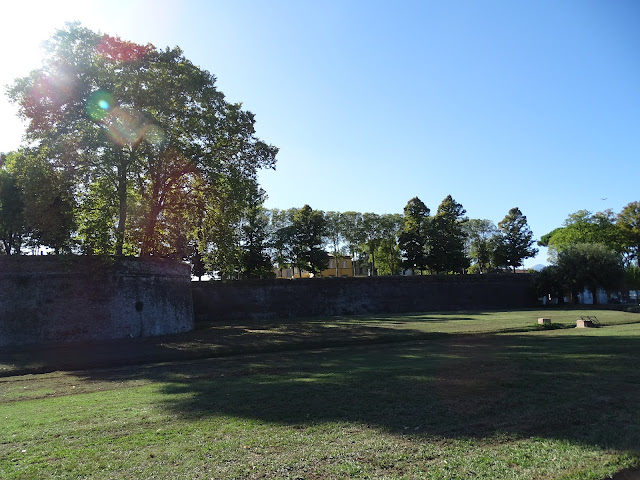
(534, 104)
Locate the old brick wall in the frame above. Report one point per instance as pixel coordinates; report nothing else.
(50, 299)
(266, 299)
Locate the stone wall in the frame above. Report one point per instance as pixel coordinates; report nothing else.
(267, 299)
(50, 299)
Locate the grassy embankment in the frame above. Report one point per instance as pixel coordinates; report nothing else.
(457, 395)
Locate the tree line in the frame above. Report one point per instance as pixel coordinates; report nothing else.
(592, 251)
(378, 244)
(132, 150)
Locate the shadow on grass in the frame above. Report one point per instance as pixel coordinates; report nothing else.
(207, 341)
(579, 389)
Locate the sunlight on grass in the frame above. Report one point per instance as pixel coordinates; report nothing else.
(519, 405)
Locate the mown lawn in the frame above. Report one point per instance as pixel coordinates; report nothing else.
(219, 339)
(517, 404)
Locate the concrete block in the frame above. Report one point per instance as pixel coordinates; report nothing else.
(584, 324)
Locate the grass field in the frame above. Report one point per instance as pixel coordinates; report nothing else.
(459, 395)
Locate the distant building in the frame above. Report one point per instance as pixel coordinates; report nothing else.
(338, 267)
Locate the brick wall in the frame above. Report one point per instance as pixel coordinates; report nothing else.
(51, 299)
(267, 299)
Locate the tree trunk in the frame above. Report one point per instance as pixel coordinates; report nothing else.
(148, 240)
(373, 263)
(122, 200)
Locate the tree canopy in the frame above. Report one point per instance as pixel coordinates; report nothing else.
(581, 266)
(515, 240)
(139, 132)
(415, 235)
(447, 242)
(585, 227)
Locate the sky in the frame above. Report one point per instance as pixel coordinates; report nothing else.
(501, 104)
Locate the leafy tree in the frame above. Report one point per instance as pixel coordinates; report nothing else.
(335, 237)
(389, 229)
(549, 282)
(515, 240)
(304, 239)
(371, 237)
(415, 235)
(254, 260)
(48, 204)
(628, 221)
(221, 227)
(282, 237)
(11, 212)
(447, 240)
(388, 257)
(140, 122)
(481, 243)
(632, 277)
(376, 229)
(198, 267)
(97, 208)
(352, 231)
(585, 227)
(591, 266)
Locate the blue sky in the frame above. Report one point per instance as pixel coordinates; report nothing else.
(500, 104)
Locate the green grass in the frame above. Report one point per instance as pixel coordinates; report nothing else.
(215, 340)
(507, 402)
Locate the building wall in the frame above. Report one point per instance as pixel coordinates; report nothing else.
(268, 299)
(51, 299)
(345, 267)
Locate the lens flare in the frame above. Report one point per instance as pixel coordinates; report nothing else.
(123, 126)
(154, 135)
(99, 104)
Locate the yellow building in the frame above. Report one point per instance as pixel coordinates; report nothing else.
(340, 267)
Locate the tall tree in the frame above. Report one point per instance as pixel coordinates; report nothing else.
(309, 230)
(137, 119)
(480, 245)
(415, 234)
(515, 241)
(254, 260)
(371, 237)
(447, 239)
(221, 231)
(281, 238)
(353, 234)
(388, 257)
(335, 239)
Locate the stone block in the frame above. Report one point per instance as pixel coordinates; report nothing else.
(544, 321)
(584, 324)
